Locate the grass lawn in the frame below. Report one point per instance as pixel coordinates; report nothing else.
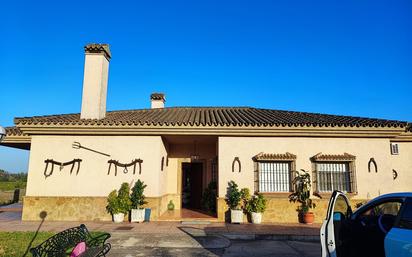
(10, 186)
(15, 243)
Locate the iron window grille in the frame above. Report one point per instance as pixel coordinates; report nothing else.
(334, 172)
(333, 176)
(274, 172)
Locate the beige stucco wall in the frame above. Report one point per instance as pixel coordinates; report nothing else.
(92, 179)
(369, 185)
(402, 163)
(70, 193)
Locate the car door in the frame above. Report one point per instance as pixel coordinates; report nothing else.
(398, 241)
(371, 223)
(333, 236)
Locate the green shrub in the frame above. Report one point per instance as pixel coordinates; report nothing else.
(113, 206)
(233, 196)
(119, 202)
(209, 197)
(137, 197)
(124, 198)
(257, 203)
(244, 197)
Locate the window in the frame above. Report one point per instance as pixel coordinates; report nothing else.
(382, 215)
(274, 176)
(333, 176)
(394, 149)
(334, 172)
(273, 172)
(386, 208)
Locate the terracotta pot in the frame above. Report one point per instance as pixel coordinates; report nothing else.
(236, 216)
(308, 217)
(118, 217)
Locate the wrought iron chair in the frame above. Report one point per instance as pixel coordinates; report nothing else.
(58, 244)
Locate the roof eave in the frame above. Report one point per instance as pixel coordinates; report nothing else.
(305, 131)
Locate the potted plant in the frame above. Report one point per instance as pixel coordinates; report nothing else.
(301, 194)
(233, 199)
(244, 197)
(209, 197)
(118, 203)
(256, 206)
(138, 200)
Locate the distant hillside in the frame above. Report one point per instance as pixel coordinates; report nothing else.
(9, 182)
(12, 177)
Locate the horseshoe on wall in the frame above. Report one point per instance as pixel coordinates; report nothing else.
(61, 165)
(395, 174)
(372, 161)
(236, 160)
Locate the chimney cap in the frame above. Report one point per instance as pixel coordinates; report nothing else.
(158, 96)
(98, 48)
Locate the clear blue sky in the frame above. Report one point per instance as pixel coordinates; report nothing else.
(339, 57)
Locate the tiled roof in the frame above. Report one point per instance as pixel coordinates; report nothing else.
(333, 157)
(14, 131)
(274, 157)
(212, 116)
(409, 127)
(157, 96)
(98, 48)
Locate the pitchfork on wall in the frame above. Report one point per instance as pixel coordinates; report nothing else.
(77, 145)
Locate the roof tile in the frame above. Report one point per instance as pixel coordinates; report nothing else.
(214, 116)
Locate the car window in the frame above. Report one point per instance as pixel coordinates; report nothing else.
(406, 218)
(341, 209)
(391, 208)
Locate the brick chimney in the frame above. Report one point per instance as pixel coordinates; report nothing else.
(157, 100)
(96, 71)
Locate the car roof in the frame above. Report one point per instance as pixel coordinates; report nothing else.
(372, 201)
(399, 194)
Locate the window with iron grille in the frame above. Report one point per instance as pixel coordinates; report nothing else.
(274, 176)
(334, 176)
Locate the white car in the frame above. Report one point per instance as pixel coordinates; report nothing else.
(382, 227)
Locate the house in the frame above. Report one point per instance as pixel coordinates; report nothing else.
(77, 159)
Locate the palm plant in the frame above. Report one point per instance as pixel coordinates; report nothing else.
(301, 194)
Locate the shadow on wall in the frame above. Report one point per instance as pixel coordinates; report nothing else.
(42, 216)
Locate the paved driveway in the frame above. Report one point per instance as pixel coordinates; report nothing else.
(126, 245)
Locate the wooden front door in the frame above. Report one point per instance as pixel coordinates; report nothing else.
(192, 185)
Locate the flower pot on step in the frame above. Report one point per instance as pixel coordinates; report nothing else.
(308, 217)
(236, 216)
(137, 215)
(118, 217)
(256, 217)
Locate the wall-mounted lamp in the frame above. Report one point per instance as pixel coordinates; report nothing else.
(195, 156)
(2, 134)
